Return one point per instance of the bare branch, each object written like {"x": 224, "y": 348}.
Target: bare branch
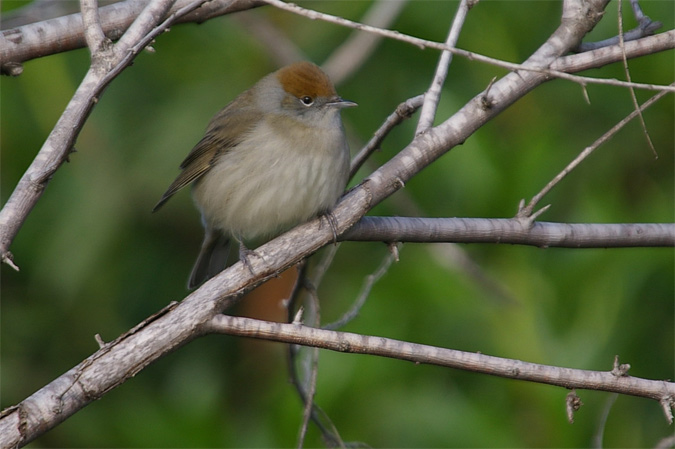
{"x": 59, "y": 143}
{"x": 402, "y": 112}
{"x": 433, "y": 355}
{"x": 66, "y": 33}
{"x": 624, "y": 61}
{"x": 423, "y": 43}
{"x": 645, "y": 28}
{"x": 309, "y": 386}
{"x": 433, "y": 94}
{"x": 328, "y": 430}
{"x": 608, "y": 55}
{"x": 368, "y": 284}
{"x": 512, "y": 231}
{"x": 525, "y": 212}
{"x": 93, "y": 32}
{"x": 151, "y": 15}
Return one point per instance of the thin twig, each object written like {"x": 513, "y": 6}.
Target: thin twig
{"x": 368, "y": 284}
{"x": 312, "y": 376}
{"x": 525, "y": 212}
{"x": 131, "y": 52}
{"x": 328, "y": 430}
{"x": 153, "y": 14}
{"x": 423, "y": 43}
{"x": 646, "y": 27}
{"x": 403, "y": 111}
{"x": 602, "y": 422}
{"x": 433, "y": 94}
{"x": 633, "y": 98}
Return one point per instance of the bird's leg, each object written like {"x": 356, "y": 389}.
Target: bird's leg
{"x": 245, "y": 253}
{"x": 332, "y": 222}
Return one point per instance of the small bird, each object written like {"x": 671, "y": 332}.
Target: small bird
{"x": 274, "y": 157}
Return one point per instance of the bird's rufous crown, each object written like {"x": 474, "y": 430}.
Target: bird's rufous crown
{"x": 305, "y": 78}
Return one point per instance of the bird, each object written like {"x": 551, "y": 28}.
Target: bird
{"x": 274, "y": 157}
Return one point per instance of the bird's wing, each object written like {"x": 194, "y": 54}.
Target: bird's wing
{"x": 225, "y": 131}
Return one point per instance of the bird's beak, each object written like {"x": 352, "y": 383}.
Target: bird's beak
{"x": 340, "y": 103}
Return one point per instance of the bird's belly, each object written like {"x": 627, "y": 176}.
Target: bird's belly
{"x": 247, "y": 199}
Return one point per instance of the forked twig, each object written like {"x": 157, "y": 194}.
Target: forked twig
{"x": 403, "y": 111}
{"x": 525, "y": 212}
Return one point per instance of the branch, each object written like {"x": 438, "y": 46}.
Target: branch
{"x": 512, "y": 231}
{"x": 526, "y": 212}
{"x": 65, "y": 33}
{"x": 404, "y": 111}
{"x": 299, "y": 334}
{"x": 608, "y": 55}
{"x": 433, "y": 94}
{"x": 106, "y": 63}
{"x": 423, "y": 43}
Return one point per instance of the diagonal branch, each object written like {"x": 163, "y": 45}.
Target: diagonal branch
{"x": 526, "y": 211}
{"x": 59, "y": 144}
{"x": 65, "y": 33}
{"x": 433, "y": 94}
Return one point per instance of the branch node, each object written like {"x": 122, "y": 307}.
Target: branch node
{"x": 584, "y": 90}
{"x": 298, "y": 316}
{"x": 538, "y": 213}
{"x": 99, "y": 340}
{"x": 620, "y": 370}
{"x": 8, "y": 258}
{"x": 572, "y": 404}
{"x": 486, "y": 101}
{"x": 393, "y": 249}
{"x": 12, "y": 68}
{"x": 667, "y": 404}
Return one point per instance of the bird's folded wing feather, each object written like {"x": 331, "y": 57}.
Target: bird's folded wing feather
{"x": 225, "y": 131}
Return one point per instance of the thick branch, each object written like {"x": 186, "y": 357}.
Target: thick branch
{"x": 540, "y": 234}
{"x": 496, "y": 366}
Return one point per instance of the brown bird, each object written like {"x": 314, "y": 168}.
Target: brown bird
{"x": 274, "y": 157}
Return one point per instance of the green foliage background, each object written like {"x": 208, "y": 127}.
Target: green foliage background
{"x": 94, "y": 260}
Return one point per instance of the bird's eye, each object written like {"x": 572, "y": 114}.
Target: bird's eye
{"x": 307, "y": 100}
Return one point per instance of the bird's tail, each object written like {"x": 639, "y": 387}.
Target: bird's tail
{"x": 212, "y": 258}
